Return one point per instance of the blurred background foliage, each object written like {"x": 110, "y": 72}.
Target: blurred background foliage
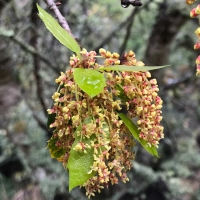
{"x": 160, "y": 32}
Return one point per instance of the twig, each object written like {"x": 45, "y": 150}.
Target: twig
{"x": 113, "y": 33}
{"x": 128, "y": 31}
{"x": 121, "y": 25}
{"x": 129, "y": 27}
{"x": 40, "y": 122}
{"x": 61, "y": 20}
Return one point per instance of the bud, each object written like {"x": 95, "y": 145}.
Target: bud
{"x": 198, "y": 9}
{"x": 102, "y": 51}
{"x": 198, "y": 70}
{"x": 198, "y": 60}
{"x": 197, "y": 46}
{"x": 193, "y": 13}
{"x": 197, "y": 32}
{"x": 139, "y": 63}
{"x": 115, "y": 55}
{"x": 189, "y": 2}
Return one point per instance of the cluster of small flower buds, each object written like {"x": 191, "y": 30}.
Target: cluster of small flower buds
{"x": 110, "y": 139}
{"x": 144, "y": 102}
{"x": 190, "y": 1}
{"x": 195, "y": 12}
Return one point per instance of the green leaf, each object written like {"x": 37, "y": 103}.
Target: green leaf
{"x": 59, "y": 33}
{"x": 55, "y": 151}
{"x": 90, "y": 81}
{"x": 121, "y": 94}
{"x": 79, "y": 164}
{"x": 131, "y": 68}
{"x": 134, "y": 130}
{"x": 152, "y": 150}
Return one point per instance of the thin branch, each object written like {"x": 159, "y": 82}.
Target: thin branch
{"x": 61, "y": 20}
{"x": 128, "y": 32}
{"x": 122, "y": 25}
{"x": 113, "y": 33}
{"x": 40, "y": 122}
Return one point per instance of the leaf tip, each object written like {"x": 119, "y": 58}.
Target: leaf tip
{"x": 70, "y": 188}
{"x": 38, "y": 7}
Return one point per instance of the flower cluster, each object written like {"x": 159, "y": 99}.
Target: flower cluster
{"x": 195, "y": 12}
{"x": 144, "y": 103}
{"x": 96, "y": 121}
{"x": 143, "y": 100}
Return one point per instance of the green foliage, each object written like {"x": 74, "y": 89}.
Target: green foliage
{"x": 79, "y": 163}
{"x": 121, "y": 95}
{"x": 180, "y": 120}
{"x": 59, "y": 33}
{"x": 55, "y": 151}
{"x": 132, "y": 68}
{"x": 90, "y": 81}
{"x": 134, "y": 130}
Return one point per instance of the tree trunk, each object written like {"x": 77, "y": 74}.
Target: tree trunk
{"x": 164, "y": 31}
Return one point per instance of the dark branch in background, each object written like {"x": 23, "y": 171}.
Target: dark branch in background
{"x": 114, "y": 32}
{"x": 128, "y": 32}
{"x": 33, "y": 51}
{"x": 61, "y": 20}
{"x": 127, "y": 3}
{"x": 28, "y": 48}
{"x": 40, "y": 122}
{"x": 126, "y": 22}
{"x": 129, "y": 27}
{"x": 84, "y": 7}
{"x": 36, "y": 63}
{"x": 3, "y": 4}
{"x": 165, "y": 29}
